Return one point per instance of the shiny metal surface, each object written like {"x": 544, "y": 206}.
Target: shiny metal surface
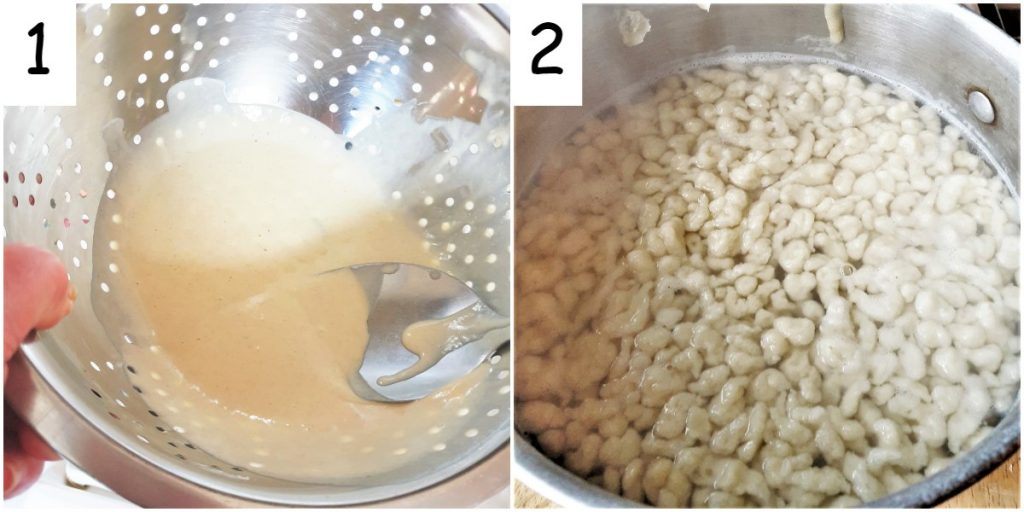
{"x": 401, "y": 295}
{"x": 439, "y": 70}
{"x": 938, "y": 53}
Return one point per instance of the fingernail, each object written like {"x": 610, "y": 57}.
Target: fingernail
{"x": 8, "y": 479}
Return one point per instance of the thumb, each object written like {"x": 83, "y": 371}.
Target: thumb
{"x": 36, "y": 293}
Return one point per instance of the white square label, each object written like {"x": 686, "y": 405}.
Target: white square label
{"x": 38, "y": 58}
{"x": 547, "y": 53}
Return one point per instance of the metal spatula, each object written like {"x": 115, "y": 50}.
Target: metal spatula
{"x": 401, "y": 295}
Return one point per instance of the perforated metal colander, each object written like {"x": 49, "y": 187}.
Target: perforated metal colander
{"x": 355, "y": 68}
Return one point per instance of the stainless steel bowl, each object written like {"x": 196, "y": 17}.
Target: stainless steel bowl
{"x": 346, "y": 65}
{"x": 939, "y": 53}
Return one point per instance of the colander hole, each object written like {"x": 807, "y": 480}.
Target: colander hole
{"x": 357, "y": 39}
{"x": 373, "y": 56}
{"x": 422, "y": 222}
{"x": 140, "y": 102}
{"x": 184, "y": 69}
{"x": 493, "y": 412}
{"x": 83, "y": 244}
{"x": 504, "y": 390}
{"x": 130, "y": 368}
{"x": 172, "y": 444}
{"x": 68, "y": 142}
{"x": 142, "y": 438}
{"x": 467, "y": 229}
{"x": 469, "y": 259}
{"x": 399, "y": 23}
{"x": 503, "y": 374}
{"x": 450, "y": 247}
{"x": 214, "y": 63}
{"x": 300, "y": 78}
{"x": 376, "y": 6}
{"x": 14, "y": 201}
{"x": 140, "y": 10}
{"x": 107, "y": 80}
{"x": 333, "y": 108}
{"x": 430, "y": 39}
{"x": 148, "y": 55}
{"x": 39, "y": 178}
{"x": 496, "y": 358}
{"x": 137, "y": 139}
{"x": 293, "y": 36}
{"x": 153, "y": 413}
{"x": 395, "y": 69}
{"x": 201, "y": 21}
{"x": 161, "y": 429}
{"x": 348, "y": 146}
{"x": 404, "y": 50}
{"x": 109, "y": 166}
{"x": 169, "y": 54}
{"x": 154, "y": 30}
{"x": 97, "y": 30}
{"x": 45, "y": 149}
{"x": 131, "y": 341}
{"x": 293, "y": 57}
{"x": 401, "y": 451}
{"x": 198, "y": 45}
{"x": 176, "y": 28}
{"x": 351, "y": 70}
{"x": 105, "y": 287}
{"x": 94, "y": 365}
{"x": 446, "y": 226}
{"x": 179, "y": 456}
{"x": 453, "y": 161}
{"x": 76, "y": 262}
{"x": 138, "y": 390}
{"x": 162, "y": 9}
{"x": 60, "y": 245}
{"x": 462, "y": 412}
{"x": 491, "y": 258}
{"x": 336, "y": 53}
{"x": 12, "y": 147}
{"x": 474, "y": 149}
{"x": 255, "y": 465}
{"x": 469, "y": 205}
{"x": 113, "y": 268}
{"x": 472, "y": 432}
{"x": 425, "y": 10}
{"x": 143, "y": 78}
{"x": 224, "y": 41}
{"x": 53, "y": 203}
{"x": 229, "y": 17}
{"x": 490, "y": 287}
{"x": 112, "y": 415}
{"x": 333, "y": 82}
{"x": 433, "y": 430}
{"x": 439, "y": 447}
{"x": 313, "y": 96}
{"x": 300, "y": 13}
{"x": 120, "y": 94}
{"x": 416, "y": 87}
{"x": 113, "y": 245}
{"x": 318, "y": 64}
{"x": 98, "y": 58}
{"x": 438, "y": 178}
{"x": 164, "y": 77}
{"x": 357, "y": 14}
{"x": 97, "y": 393}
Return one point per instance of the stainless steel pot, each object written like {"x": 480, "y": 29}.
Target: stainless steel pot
{"x": 939, "y": 53}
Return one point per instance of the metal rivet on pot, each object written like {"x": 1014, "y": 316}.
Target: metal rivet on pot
{"x": 981, "y": 106}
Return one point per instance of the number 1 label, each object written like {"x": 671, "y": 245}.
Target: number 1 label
{"x": 39, "y": 68}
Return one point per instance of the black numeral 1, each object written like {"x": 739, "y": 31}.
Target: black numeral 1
{"x": 535, "y": 66}
{"x": 38, "y": 69}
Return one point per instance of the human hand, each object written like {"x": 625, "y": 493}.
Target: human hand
{"x": 37, "y": 295}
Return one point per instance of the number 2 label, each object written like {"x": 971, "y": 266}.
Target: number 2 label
{"x": 38, "y": 69}
{"x": 535, "y": 66}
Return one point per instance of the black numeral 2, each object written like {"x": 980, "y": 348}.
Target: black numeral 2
{"x": 535, "y": 67}
{"x": 38, "y": 69}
